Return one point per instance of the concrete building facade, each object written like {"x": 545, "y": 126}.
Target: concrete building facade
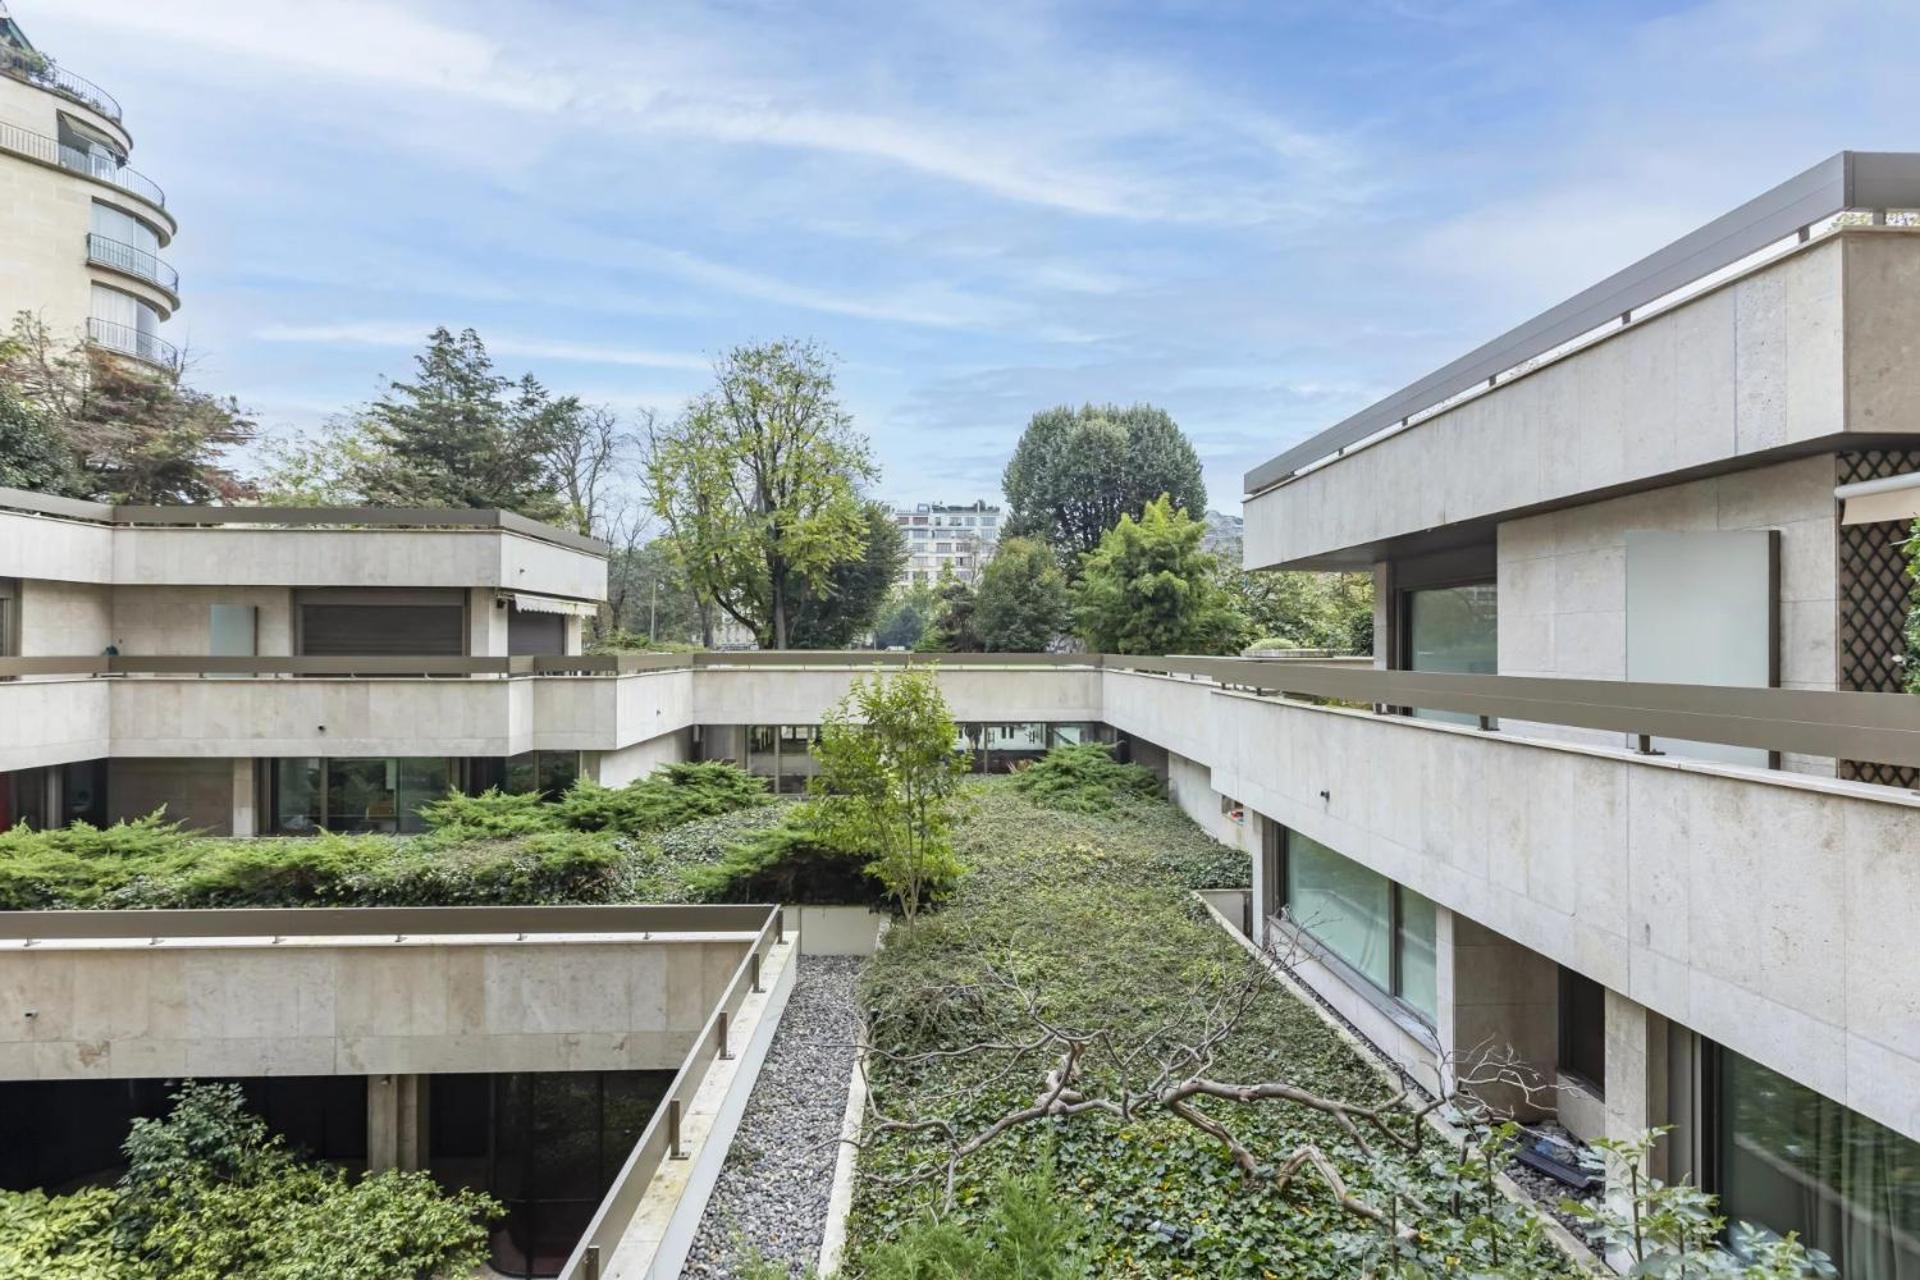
{"x": 82, "y": 233}
{"x": 945, "y": 539}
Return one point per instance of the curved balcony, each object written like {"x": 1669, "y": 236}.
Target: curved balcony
{"x": 126, "y": 340}
{"x": 43, "y": 73}
{"x": 116, "y": 255}
{"x": 101, "y": 168}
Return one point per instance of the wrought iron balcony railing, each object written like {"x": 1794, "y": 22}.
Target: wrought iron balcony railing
{"x": 95, "y": 165}
{"x": 129, "y": 341}
{"x": 36, "y": 70}
{"x": 133, "y": 261}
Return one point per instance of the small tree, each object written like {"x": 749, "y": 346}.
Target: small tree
{"x": 1151, "y": 589}
{"x": 890, "y": 767}
{"x": 1021, "y": 604}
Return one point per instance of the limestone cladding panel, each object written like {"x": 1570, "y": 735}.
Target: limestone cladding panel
{"x": 1780, "y": 356}
{"x": 64, "y": 618}
{"x": 748, "y": 695}
{"x": 1562, "y": 577}
{"x": 53, "y": 721}
{"x": 1762, "y": 913}
{"x": 179, "y": 620}
{"x": 34, "y": 546}
{"x": 358, "y": 1009}
{"x": 617, "y": 768}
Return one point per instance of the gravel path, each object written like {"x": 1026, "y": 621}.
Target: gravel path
{"x": 772, "y": 1193}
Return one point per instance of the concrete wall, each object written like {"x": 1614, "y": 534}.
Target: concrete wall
{"x": 59, "y": 619}
{"x": 618, "y": 768}
{"x": 54, "y": 722}
{"x": 34, "y": 546}
{"x": 750, "y": 695}
{"x": 1763, "y": 911}
{"x": 179, "y": 620}
{"x": 356, "y": 1006}
{"x": 1806, "y": 348}
{"x": 1190, "y": 786}
{"x": 1562, "y": 577}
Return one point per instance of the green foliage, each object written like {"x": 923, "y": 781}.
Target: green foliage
{"x": 1151, "y": 589}
{"x": 652, "y": 604}
{"x": 954, "y": 629}
{"x": 669, "y": 796}
{"x": 1911, "y": 668}
{"x": 491, "y": 815}
{"x": 459, "y": 435}
{"x": 855, "y": 589}
{"x": 1083, "y": 910}
{"x": 130, "y": 433}
{"x": 1076, "y": 472}
{"x": 889, "y": 768}
{"x": 672, "y": 865}
{"x": 62, "y": 1237}
{"x": 1306, "y": 610}
{"x": 905, "y": 617}
{"x": 1083, "y": 777}
{"x": 757, "y": 486}
{"x": 790, "y": 861}
{"x": 637, "y": 642}
{"x": 209, "y": 1193}
{"x": 1671, "y": 1230}
{"x": 1021, "y": 605}
{"x": 1024, "y": 1230}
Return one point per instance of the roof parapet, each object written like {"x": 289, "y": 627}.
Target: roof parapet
{"x": 1847, "y": 181}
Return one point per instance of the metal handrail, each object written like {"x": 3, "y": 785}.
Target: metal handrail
{"x": 47, "y": 74}
{"x": 107, "y": 169}
{"x": 1881, "y": 727}
{"x": 129, "y": 341}
{"x": 660, "y": 1140}
{"x": 133, "y": 261}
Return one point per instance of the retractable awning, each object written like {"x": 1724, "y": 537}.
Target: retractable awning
{"x": 1877, "y": 501}
{"x": 552, "y": 604}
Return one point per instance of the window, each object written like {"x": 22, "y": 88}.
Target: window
{"x": 372, "y": 794}
{"x": 1583, "y": 1030}
{"x": 1452, "y": 629}
{"x": 231, "y": 630}
{"x": 1381, "y": 931}
{"x": 123, "y": 228}
{"x": 1788, "y": 1159}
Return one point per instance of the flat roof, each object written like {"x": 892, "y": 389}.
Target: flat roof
{"x": 1845, "y": 181}
{"x": 299, "y": 517}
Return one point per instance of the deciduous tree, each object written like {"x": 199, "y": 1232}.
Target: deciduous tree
{"x": 1021, "y": 605}
{"x": 1077, "y": 471}
{"x": 890, "y": 768}
{"x": 856, "y": 589}
{"x": 756, "y": 483}
{"x": 954, "y": 629}
{"x": 1151, "y": 589}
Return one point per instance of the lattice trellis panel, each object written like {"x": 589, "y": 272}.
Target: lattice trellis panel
{"x": 1874, "y": 594}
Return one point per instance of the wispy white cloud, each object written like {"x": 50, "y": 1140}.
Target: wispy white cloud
{"x": 386, "y": 334}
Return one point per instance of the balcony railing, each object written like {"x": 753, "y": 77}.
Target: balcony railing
{"x": 129, "y": 341}
{"x": 133, "y": 261}
{"x": 39, "y": 71}
{"x": 1882, "y": 727}
{"x": 101, "y": 168}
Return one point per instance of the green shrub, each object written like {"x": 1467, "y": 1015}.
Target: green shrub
{"x": 789, "y": 861}
{"x": 1085, "y": 778}
{"x": 62, "y": 1237}
{"x": 490, "y": 815}
{"x": 76, "y": 865}
{"x": 667, "y": 797}
{"x": 1025, "y": 1231}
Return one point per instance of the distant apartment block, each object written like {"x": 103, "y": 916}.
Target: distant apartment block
{"x": 81, "y": 232}
{"x": 945, "y": 539}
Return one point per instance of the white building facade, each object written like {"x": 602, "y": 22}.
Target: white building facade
{"x": 946, "y": 540}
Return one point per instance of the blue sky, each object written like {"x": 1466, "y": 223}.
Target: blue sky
{"x": 1261, "y": 216}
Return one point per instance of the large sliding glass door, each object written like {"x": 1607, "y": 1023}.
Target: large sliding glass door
{"x": 1451, "y": 629}
{"x": 1789, "y": 1159}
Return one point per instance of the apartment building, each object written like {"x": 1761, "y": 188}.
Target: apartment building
{"x": 81, "y": 231}
{"x": 944, "y": 539}
{"x": 1628, "y": 790}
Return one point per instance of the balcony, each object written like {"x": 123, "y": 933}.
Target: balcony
{"x": 51, "y": 151}
{"x": 124, "y": 339}
{"x": 41, "y": 72}
{"x": 116, "y": 255}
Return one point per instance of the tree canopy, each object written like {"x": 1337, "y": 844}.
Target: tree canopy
{"x": 1021, "y": 603}
{"x": 1075, "y": 472}
{"x": 757, "y": 484}
{"x": 954, "y": 629}
{"x": 1150, "y": 588}
{"x": 79, "y": 421}
{"x": 856, "y": 589}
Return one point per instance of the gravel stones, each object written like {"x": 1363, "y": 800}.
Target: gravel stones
{"x": 772, "y": 1193}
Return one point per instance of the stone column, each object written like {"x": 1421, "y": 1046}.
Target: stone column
{"x": 246, "y": 821}
{"x": 396, "y": 1122}
{"x": 1637, "y": 1074}
{"x": 1498, "y": 995}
